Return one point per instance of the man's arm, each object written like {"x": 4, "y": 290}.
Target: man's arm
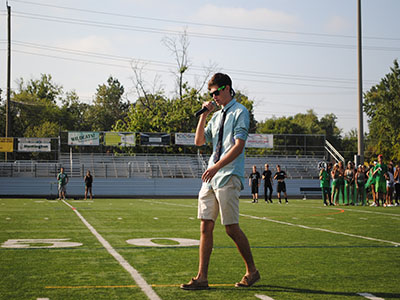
{"x": 232, "y": 154}
{"x": 200, "y": 138}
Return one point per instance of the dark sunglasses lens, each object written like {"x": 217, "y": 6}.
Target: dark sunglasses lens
{"x": 216, "y": 93}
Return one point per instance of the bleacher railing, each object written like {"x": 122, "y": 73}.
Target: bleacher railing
{"x": 151, "y": 166}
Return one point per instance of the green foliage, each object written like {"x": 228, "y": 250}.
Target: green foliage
{"x": 382, "y": 106}
{"x": 45, "y": 129}
{"x": 108, "y": 106}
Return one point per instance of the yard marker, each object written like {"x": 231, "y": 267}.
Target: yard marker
{"x": 321, "y": 229}
{"x": 263, "y": 297}
{"x": 370, "y": 296}
{"x": 42, "y": 299}
{"x": 144, "y": 286}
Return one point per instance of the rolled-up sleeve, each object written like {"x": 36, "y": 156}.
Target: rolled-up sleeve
{"x": 242, "y": 124}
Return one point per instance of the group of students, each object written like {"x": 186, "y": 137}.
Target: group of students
{"x": 254, "y": 183}
{"x": 355, "y": 186}
{"x": 62, "y": 180}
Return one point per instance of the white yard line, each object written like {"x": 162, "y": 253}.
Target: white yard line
{"x": 370, "y": 296}
{"x": 321, "y": 229}
{"x": 144, "y": 286}
{"x": 297, "y": 225}
{"x": 263, "y": 297}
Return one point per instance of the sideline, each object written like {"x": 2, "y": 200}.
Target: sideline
{"x": 144, "y": 286}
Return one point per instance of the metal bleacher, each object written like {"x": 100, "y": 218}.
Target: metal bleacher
{"x": 152, "y": 166}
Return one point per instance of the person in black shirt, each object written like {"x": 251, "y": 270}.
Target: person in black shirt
{"x": 88, "y": 185}
{"x": 254, "y": 180}
{"x": 280, "y": 175}
{"x": 267, "y": 177}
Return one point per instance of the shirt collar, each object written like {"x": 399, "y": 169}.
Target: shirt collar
{"x": 229, "y": 105}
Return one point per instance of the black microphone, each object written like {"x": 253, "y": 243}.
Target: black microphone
{"x": 204, "y": 109}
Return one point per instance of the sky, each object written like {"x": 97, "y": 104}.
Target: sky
{"x": 288, "y": 56}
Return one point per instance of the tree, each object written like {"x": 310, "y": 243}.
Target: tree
{"x": 382, "y": 106}
{"x": 108, "y": 106}
{"x": 33, "y": 103}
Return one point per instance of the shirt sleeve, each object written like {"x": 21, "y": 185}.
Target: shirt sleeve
{"x": 208, "y": 132}
{"x": 242, "y": 124}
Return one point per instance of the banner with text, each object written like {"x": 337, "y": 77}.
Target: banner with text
{"x": 255, "y": 140}
{"x": 6, "y": 144}
{"x": 34, "y": 145}
{"x": 155, "y": 139}
{"x": 83, "y": 138}
{"x": 123, "y": 139}
{"x": 185, "y": 138}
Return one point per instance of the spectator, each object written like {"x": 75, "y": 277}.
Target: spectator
{"x": 360, "y": 183}
{"x": 380, "y": 182}
{"x": 62, "y": 179}
{"x": 267, "y": 177}
{"x": 396, "y": 178}
{"x": 88, "y": 185}
{"x": 389, "y": 185}
{"x": 349, "y": 176}
{"x": 324, "y": 184}
{"x": 280, "y": 175}
{"x": 254, "y": 182}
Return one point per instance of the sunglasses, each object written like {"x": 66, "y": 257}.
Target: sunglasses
{"x": 216, "y": 92}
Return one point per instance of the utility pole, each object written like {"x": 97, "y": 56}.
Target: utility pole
{"x": 8, "y": 109}
{"x": 360, "y": 87}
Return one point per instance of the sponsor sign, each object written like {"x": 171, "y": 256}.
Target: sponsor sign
{"x": 34, "y": 145}
{"x": 255, "y": 140}
{"x": 6, "y": 144}
{"x": 124, "y": 139}
{"x": 185, "y": 138}
{"x": 155, "y": 139}
{"x": 83, "y": 138}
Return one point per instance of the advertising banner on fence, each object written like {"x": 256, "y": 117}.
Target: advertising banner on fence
{"x": 83, "y": 138}
{"x": 255, "y": 140}
{"x": 6, "y": 144}
{"x": 123, "y": 139}
{"x": 155, "y": 139}
{"x": 34, "y": 145}
{"x": 185, "y": 138}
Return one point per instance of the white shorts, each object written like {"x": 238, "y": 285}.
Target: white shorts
{"x": 224, "y": 200}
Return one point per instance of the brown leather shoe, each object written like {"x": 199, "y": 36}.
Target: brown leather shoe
{"x": 249, "y": 280}
{"x": 194, "y": 284}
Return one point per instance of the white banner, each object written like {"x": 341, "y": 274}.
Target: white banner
{"x": 124, "y": 139}
{"x": 84, "y": 138}
{"x": 256, "y": 140}
{"x": 185, "y": 138}
{"x": 34, "y": 147}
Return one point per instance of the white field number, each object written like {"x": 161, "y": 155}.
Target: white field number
{"x": 40, "y": 243}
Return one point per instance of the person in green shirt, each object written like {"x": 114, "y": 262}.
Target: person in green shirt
{"x": 62, "y": 179}
{"x": 324, "y": 179}
{"x": 380, "y": 181}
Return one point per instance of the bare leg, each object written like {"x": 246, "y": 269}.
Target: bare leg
{"x": 206, "y": 245}
{"x": 240, "y": 239}
{"x": 86, "y": 192}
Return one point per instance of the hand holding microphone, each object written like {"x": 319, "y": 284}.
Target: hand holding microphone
{"x": 207, "y": 106}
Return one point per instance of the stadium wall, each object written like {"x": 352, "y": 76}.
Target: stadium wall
{"x": 128, "y": 187}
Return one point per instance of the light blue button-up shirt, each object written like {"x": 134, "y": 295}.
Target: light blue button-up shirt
{"x": 236, "y": 126}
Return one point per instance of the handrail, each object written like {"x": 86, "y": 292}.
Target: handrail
{"x": 332, "y": 151}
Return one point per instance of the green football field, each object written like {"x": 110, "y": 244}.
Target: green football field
{"x": 90, "y": 250}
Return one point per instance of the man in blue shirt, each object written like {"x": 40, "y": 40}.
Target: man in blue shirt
{"x": 224, "y": 178}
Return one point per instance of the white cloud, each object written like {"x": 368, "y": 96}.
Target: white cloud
{"x": 89, "y": 43}
{"x": 236, "y": 16}
{"x": 337, "y": 24}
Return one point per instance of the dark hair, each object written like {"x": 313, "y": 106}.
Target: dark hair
{"x": 221, "y": 79}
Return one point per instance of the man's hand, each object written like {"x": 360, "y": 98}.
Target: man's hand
{"x": 209, "y": 174}
{"x": 210, "y": 107}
